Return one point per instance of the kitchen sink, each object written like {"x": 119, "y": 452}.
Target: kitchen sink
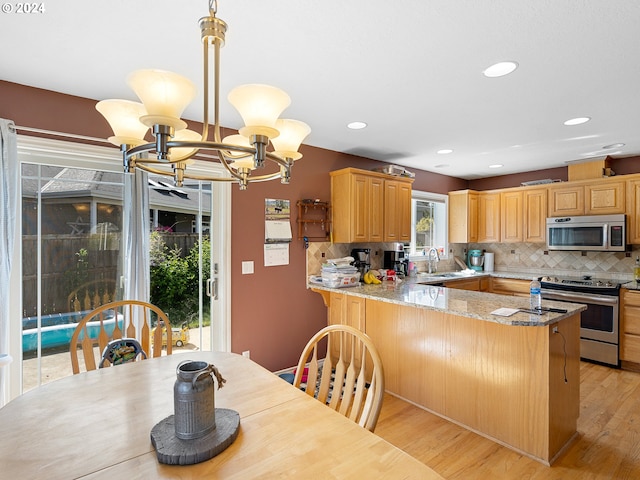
{"x": 444, "y": 275}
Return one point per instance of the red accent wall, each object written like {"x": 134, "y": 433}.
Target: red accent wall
{"x": 273, "y": 314}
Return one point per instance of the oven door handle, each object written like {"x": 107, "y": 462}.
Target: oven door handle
{"x": 579, "y": 298}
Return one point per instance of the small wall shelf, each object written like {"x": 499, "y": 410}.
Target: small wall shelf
{"x": 314, "y": 219}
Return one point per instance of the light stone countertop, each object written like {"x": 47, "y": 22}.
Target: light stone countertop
{"x": 479, "y": 305}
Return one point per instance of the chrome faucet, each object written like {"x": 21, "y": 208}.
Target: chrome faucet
{"x": 432, "y": 259}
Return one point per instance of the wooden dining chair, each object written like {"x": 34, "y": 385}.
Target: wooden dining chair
{"x": 117, "y": 320}
{"x": 350, "y": 379}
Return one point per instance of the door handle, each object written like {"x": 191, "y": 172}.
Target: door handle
{"x": 212, "y": 288}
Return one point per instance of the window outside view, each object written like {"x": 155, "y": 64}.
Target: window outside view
{"x": 429, "y": 228}
{"x": 72, "y": 259}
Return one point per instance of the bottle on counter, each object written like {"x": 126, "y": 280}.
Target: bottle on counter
{"x": 535, "y": 294}
{"x": 636, "y": 271}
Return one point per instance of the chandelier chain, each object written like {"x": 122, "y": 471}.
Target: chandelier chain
{"x": 213, "y": 7}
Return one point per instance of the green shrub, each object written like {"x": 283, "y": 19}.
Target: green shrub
{"x": 174, "y": 280}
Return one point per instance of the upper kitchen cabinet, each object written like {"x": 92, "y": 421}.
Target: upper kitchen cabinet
{"x": 602, "y": 197}
{"x": 489, "y": 217}
{"x": 633, "y": 209}
{"x": 512, "y": 216}
{"x": 370, "y": 206}
{"x": 397, "y": 211}
{"x": 535, "y": 215}
{"x": 463, "y": 216}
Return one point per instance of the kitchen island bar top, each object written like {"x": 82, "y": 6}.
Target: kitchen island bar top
{"x": 478, "y": 305}
{"x": 514, "y": 379}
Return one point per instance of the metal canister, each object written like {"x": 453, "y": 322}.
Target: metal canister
{"x": 193, "y": 399}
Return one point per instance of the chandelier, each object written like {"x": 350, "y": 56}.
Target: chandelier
{"x": 165, "y": 95}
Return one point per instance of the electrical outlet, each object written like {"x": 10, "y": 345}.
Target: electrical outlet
{"x": 246, "y": 353}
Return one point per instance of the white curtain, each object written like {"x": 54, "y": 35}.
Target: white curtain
{"x": 8, "y": 208}
{"x": 136, "y": 238}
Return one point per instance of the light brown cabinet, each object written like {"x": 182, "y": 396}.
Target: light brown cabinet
{"x": 566, "y": 200}
{"x": 480, "y": 284}
{"x": 370, "y": 207}
{"x": 630, "y": 328}
{"x": 535, "y": 215}
{"x": 488, "y": 217}
{"x": 511, "y": 216}
{"x": 509, "y": 286}
{"x": 633, "y": 209}
{"x": 598, "y": 197}
{"x": 347, "y": 310}
{"x": 397, "y": 211}
{"x": 463, "y": 216}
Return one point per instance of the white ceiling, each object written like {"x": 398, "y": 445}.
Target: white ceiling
{"x": 411, "y": 69}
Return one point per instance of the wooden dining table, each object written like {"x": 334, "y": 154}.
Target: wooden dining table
{"x": 97, "y": 425}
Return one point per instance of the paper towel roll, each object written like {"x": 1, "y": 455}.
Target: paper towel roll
{"x": 488, "y": 262}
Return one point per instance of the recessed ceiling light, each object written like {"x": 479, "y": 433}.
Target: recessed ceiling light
{"x": 614, "y": 145}
{"x": 577, "y": 121}
{"x": 444, "y": 151}
{"x": 500, "y": 69}
{"x": 441, "y": 165}
{"x": 496, "y": 165}
{"x": 356, "y": 125}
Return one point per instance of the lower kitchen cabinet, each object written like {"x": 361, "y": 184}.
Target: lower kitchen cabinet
{"x": 475, "y": 284}
{"x": 630, "y": 330}
{"x": 510, "y": 286}
{"x": 347, "y": 310}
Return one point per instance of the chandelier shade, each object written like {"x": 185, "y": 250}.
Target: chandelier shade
{"x": 165, "y": 95}
{"x": 292, "y": 133}
{"x": 123, "y": 117}
{"x": 179, "y": 153}
{"x": 259, "y": 106}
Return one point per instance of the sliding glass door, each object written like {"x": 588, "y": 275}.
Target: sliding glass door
{"x": 73, "y": 242}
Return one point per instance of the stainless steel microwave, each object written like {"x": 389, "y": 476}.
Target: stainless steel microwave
{"x": 589, "y": 232}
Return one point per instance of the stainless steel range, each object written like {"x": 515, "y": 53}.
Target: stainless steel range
{"x": 599, "y": 337}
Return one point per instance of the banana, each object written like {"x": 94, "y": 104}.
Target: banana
{"x": 369, "y": 278}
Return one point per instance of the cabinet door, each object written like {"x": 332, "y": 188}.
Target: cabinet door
{"x": 404, "y": 212}
{"x": 489, "y": 217}
{"x": 535, "y": 215}
{"x": 391, "y": 205}
{"x": 347, "y": 310}
{"x": 375, "y": 209}
{"x": 466, "y": 284}
{"x": 633, "y": 211}
{"x": 630, "y": 327}
{"x": 566, "y": 200}
{"x": 511, "y": 216}
{"x": 463, "y": 216}
{"x": 397, "y": 211}
{"x": 509, "y": 286}
{"x": 359, "y": 210}
{"x": 604, "y": 198}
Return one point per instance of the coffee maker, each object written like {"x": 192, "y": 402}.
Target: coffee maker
{"x": 394, "y": 260}
{"x": 362, "y": 260}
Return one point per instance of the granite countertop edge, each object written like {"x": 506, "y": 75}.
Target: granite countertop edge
{"x": 465, "y": 303}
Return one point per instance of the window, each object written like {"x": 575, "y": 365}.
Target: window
{"x": 428, "y": 223}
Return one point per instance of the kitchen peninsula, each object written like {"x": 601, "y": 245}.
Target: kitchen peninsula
{"x": 513, "y": 379}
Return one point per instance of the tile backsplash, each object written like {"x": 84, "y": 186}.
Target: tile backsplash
{"x": 531, "y": 257}
{"x": 508, "y": 257}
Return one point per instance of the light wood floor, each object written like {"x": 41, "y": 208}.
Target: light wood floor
{"x": 607, "y": 447}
